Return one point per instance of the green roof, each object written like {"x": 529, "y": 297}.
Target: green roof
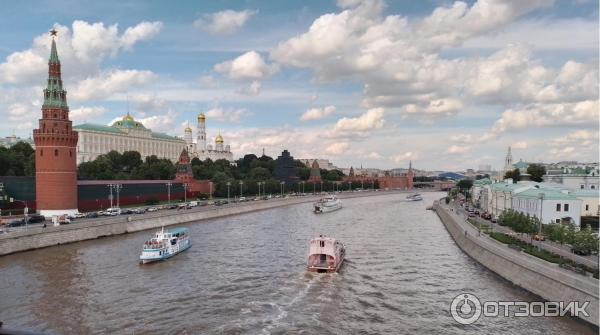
{"x": 505, "y": 186}
{"x": 97, "y": 127}
{"x": 484, "y": 181}
{"x": 549, "y": 194}
{"x": 130, "y": 124}
{"x": 521, "y": 165}
{"x": 164, "y": 136}
{"x": 586, "y": 193}
{"x": 53, "y": 53}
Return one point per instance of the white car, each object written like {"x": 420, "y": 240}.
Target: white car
{"x": 152, "y": 209}
{"x": 79, "y": 215}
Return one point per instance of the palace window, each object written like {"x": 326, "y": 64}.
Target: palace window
{"x": 558, "y": 207}
{"x": 582, "y": 186}
{"x": 587, "y": 207}
{"x": 566, "y": 207}
{"x": 55, "y": 152}
{"x": 593, "y": 187}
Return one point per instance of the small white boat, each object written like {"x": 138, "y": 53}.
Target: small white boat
{"x": 325, "y": 254}
{"x": 327, "y": 204}
{"x": 414, "y": 197}
{"x": 165, "y": 244}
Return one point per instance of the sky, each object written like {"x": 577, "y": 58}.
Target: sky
{"x": 446, "y": 85}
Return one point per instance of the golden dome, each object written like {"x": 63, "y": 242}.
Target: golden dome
{"x": 188, "y": 129}
{"x": 219, "y": 139}
{"x": 201, "y": 117}
{"x": 127, "y": 117}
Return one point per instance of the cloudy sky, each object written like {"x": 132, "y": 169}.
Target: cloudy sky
{"x": 448, "y": 85}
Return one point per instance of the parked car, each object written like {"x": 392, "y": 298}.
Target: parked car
{"x": 494, "y": 220}
{"x": 173, "y": 206}
{"x": 151, "y": 209}
{"x": 79, "y": 215}
{"x": 16, "y": 223}
{"x": 471, "y": 214}
{"x": 36, "y": 218}
{"x": 91, "y": 215}
{"x": 113, "y": 211}
{"x": 126, "y": 212}
{"x": 581, "y": 252}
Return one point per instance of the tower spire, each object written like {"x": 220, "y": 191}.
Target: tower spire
{"x": 53, "y": 52}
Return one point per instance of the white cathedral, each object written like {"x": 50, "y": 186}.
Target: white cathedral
{"x": 200, "y": 149}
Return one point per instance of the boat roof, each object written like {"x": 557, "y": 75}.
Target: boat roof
{"x": 323, "y": 238}
{"x": 177, "y": 230}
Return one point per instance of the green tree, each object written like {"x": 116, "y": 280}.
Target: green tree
{"x": 515, "y": 175}
{"x": 260, "y": 173}
{"x": 537, "y": 171}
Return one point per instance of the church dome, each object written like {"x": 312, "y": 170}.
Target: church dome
{"x": 127, "y": 117}
{"x": 201, "y": 117}
{"x": 219, "y": 139}
{"x": 128, "y": 122}
{"x": 188, "y": 129}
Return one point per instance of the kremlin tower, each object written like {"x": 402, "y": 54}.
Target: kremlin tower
{"x": 55, "y": 147}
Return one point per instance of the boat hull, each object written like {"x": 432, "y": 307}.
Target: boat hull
{"x": 324, "y": 269}
{"x": 319, "y": 209}
{"x": 150, "y": 256}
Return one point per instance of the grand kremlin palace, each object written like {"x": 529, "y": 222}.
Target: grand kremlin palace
{"x": 125, "y": 135}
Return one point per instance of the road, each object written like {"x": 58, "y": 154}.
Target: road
{"x": 590, "y": 261}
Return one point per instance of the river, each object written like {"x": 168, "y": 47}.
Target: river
{"x": 246, "y": 274}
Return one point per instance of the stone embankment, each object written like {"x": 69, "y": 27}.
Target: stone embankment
{"x": 535, "y": 275}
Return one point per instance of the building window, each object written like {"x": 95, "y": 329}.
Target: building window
{"x": 42, "y": 152}
{"x": 587, "y": 207}
{"x": 558, "y": 207}
{"x": 557, "y": 221}
{"x": 593, "y": 187}
{"x": 566, "y": 207}
{"x": 70, "y": 153}
{"x": 55, "y": 152}
{"x": 582, "y": 187}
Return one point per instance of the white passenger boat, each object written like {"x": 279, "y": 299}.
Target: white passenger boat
{"x": 414, "y": 197}
{"x": 325, "y": 254}
{"x": 165, "y": 244}
{"x": 327, "y": 204}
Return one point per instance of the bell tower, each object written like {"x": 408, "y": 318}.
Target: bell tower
{"x": 55, "y": 147}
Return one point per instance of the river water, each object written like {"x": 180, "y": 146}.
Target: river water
{"x": 246, "y": 274}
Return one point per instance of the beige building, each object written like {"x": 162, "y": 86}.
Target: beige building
{"x": 125, "y": 135}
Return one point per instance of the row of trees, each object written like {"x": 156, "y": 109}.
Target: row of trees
{"x": 536, "y": 171}
{"x": 18, "y": 160}
{"x": 519, "y": 222}
{"x": 128, "y": 165}
{"x": 582, "y": 239}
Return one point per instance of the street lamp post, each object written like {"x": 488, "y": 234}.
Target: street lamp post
{"x": 321, "y": 186}
{"x": 228, "y": 186}
{"x": 110, "y": 196}
{"x": 118, "y": 188}
{"x": 282, "y": 188}
{"x": 169, "y": 192}
{"x": 185, "y": 186}
{"x": 241, "y": 189}
{"x": 541, "y": 196}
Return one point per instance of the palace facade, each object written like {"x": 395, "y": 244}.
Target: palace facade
{"x": 123, "y": 135}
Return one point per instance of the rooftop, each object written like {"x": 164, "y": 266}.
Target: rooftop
{"x": 549, "y": 194}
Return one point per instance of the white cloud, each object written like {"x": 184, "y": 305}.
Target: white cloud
{"x": 520, "y": 145}
{"x": 404, "y": 157}
{"x": 141, "y": 32}
{"x": 249, "y": 66}
{"x": 148, "y": 104}
{"x": 86, "y": 114}
{"x": 579, "y": 138}
{"x": 584, "y": 113}
{"x": 372, "y": 119}
{"x": 106, "y": 83}
{"x": 224, "y": 22}
{"x": 455, "y": 149}
{"x": 337, "y": 148}
{"x": 227, "y": 115}
{"x": 160, "y": 123}
{"x": 317, "y": 113}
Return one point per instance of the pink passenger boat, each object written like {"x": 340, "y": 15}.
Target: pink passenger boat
{"x": 325, "y": 254}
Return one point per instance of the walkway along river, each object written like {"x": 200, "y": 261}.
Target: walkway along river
{"x": 247, "y": 274}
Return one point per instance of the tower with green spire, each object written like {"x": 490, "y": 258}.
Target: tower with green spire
{"x": 55, "y": 147}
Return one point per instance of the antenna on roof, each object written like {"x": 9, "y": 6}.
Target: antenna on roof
{"x": 127, "y": 104}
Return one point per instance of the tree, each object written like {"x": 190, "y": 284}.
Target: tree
{"x": 537, "y": 171}
{"x": 259, "y": 173}
{"x": 515, "y": 175}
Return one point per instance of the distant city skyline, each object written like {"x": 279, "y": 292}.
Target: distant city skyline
{"x": 376, "y": 83}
